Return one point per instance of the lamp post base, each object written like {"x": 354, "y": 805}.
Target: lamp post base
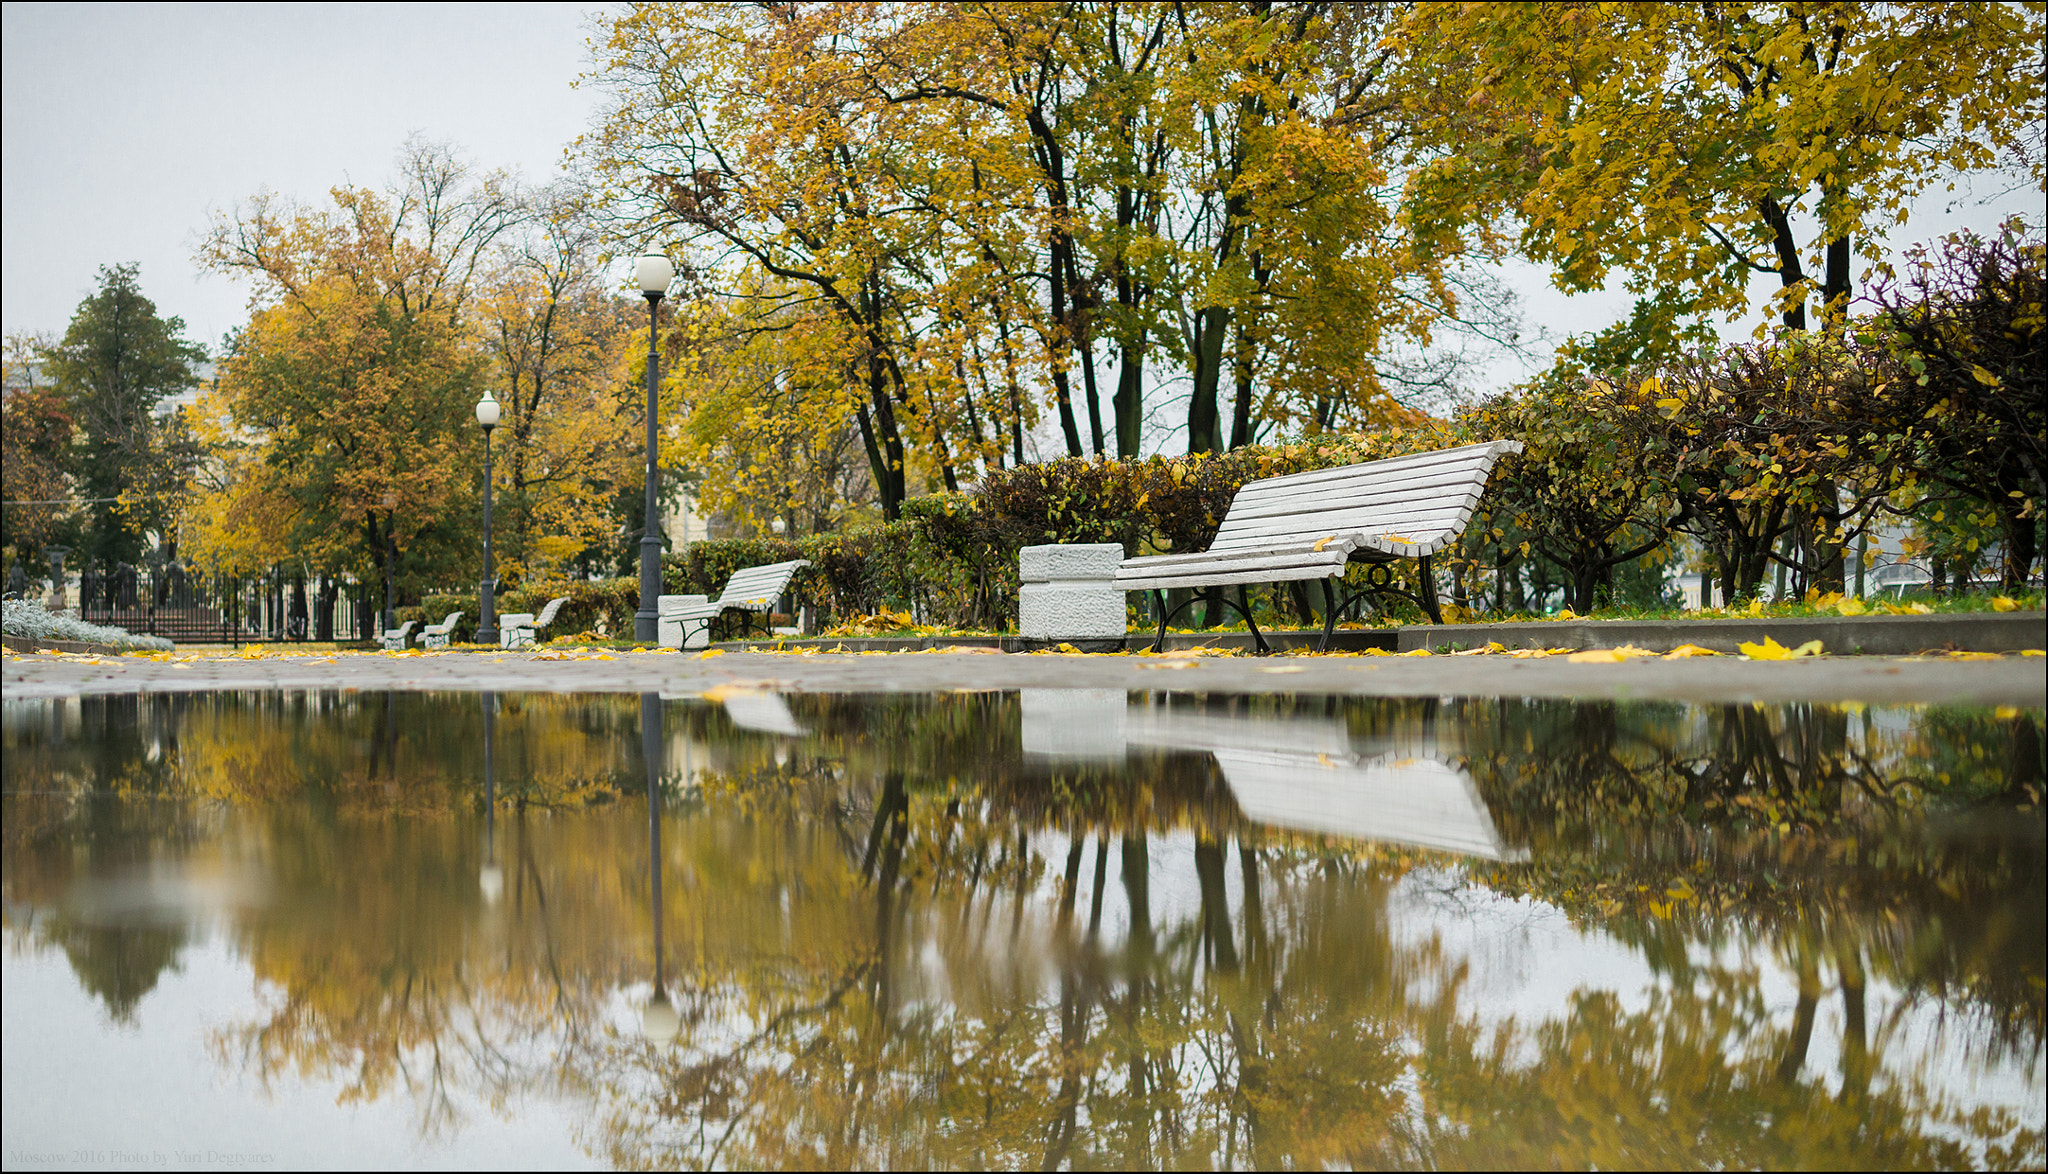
{"x": 487, "y": 618}
{"x": 647, "y": 620}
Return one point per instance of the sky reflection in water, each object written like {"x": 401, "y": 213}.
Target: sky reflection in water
{"x": 1065, "y": 927}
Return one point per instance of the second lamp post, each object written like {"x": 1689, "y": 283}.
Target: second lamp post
{"x": 487, "y": 604}
{"x": 654, "y": 272}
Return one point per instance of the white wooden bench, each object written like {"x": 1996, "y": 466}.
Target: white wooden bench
{"x": 519, "y": 629}
{"x": 436, "y": 635}
{"x": 396, "y": 638}
{"x": 1313, "y": 525}
{"x": 754, "y": 589}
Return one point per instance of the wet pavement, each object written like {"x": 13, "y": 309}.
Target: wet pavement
{"x": 1957, "y": 678}
{"x": 1049, "y": 928}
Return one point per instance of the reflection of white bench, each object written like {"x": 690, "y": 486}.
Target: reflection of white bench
{"x": 436, "y": 635}
{"x": 396, "y": 638}
{"x": 764, "y": 713}
{"x": 518, "y": 629}
{"x": 1300, "y": 773}
{"x": 1313, "y": 525}
{"x": 754, "y": 589}
{"x": 1396, "y": 798}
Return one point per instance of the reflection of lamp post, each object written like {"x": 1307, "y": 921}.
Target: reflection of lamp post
{"x": 56, "y": 554}
{"x": 487, "y": 612}
{"x": 658, "y": 1020}
{"x": 491, "y": 879}
{"x": 655, "y": 272}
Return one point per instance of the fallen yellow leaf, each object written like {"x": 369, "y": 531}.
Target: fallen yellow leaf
{"x": 1772, "y": 650}
{"x": 1756, "y": 606}
{"x": 1974, "y": 656}
{"x": 1609, "y": 655}
{"x": 1685, "y": 650}
{"x": 2004, "y": 603}
{"x": 2034, "y": 652}
{"x": 708, "y": 653}
{"x": 1322, "y": 542}
{"x": 1851, "y": 606}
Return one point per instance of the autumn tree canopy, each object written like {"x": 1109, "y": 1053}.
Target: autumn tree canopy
{"x": 980, "y": 216}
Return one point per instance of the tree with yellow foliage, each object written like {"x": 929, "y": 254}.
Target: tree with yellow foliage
{"x": 343, "y": 412}
{"x": 1691, "y": 147}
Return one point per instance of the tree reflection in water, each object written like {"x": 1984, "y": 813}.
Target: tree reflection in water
{"x": 850, "y": 930}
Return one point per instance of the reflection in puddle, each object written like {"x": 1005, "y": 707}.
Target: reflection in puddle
{"x": 1067, "y": 928}
{"x": 1298, "y": 773}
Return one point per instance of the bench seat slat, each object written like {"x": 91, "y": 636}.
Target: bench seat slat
{"x": 1365, "y": 521}
{"x": 1214, "y": 577}
{"x": 1317, "y": 498}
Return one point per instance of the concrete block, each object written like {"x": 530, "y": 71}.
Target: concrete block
{"x": 675, "y": 632}
{"x": 1074, "y": 723}
{"x": 1051, "y": 564}
{"x": 1069, "y": 611}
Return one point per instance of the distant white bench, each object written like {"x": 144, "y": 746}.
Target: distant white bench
{"x": 436, "y": 635}
{"x": 1313, "y": 525}
{"x": 754, "y": 589}
{"x": 519, "y": 629}
{"x": 396, "y": 638}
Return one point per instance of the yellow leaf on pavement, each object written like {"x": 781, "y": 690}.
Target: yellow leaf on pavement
{"x": 1772, "y": 650}
{"x": 1685, "y": 650}
{"x": 1626, "y": 652}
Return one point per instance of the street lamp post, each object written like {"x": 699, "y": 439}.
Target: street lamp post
{"x": 487, "y": 610}
{"x": 654, "y": 272}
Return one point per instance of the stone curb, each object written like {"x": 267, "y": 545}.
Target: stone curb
{"x": 32, "y": 644}
{"x": 1350, "y": 641}
{"x": 1839, "y": 636}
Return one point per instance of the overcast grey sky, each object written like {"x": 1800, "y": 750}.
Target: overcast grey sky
{"x": 125, "y": 125}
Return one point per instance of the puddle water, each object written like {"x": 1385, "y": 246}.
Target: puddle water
{"x": 1057, "y": 928}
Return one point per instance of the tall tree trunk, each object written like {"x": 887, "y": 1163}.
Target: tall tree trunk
{"x": 1241, "y": 410}
{"x": 1790, "y": 272}
{"x": 1205, "y": 432}
{"x": 1129, "y": 392}
{"x": 1094, "y": 402}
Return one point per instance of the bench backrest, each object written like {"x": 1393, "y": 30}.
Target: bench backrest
{"x": 757, "y": 588}
{"x": 446, "y": 624}
{"x": 547, "y": 614}
{"x": 1425, "y": 499}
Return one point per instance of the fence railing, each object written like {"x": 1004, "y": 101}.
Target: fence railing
{"x": 194, "y": 607}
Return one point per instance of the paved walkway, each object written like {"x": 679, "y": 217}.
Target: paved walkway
{"x": 1969, "y": 678}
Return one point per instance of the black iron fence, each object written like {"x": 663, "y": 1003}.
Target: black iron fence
{"x": 190, "y": 606}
